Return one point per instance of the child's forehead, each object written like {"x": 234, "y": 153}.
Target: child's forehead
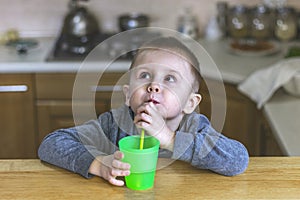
{"x": 153, "y": 51}
{"x": 156, "y": 55}
{"x": 162, "y": 61}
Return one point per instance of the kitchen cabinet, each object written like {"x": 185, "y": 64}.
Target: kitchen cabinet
{"x": 54, "y": 106}
{"x": 242, "y": 117}
{"x": 269, "y": 146}
{"x": 43, "y": 102}
{"x": 17, "y": 119}
{"x": 54, "y": 99}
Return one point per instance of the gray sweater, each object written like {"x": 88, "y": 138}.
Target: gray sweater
{"x": 196, "y": 142}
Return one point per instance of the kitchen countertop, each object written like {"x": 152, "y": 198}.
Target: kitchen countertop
{"x": 265, "y": 178}
{"x": 233, "y": 68}
{"x": 283, "y": 114}
{"x": 281, "y": 111}
{"x": 34, "y": 61}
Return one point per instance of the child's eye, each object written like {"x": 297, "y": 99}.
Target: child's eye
{"x": 170, "y": 78}
{"x": 144, "y": 75}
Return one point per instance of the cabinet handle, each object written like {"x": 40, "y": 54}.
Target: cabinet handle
{"x": 13, "y": 88}
{"x": 107, "y": 88}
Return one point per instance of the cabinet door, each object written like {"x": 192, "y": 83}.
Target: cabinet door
{"x": 241, "y": 119}
{"x": 54, "y": 100}
{"x": 268, "y": 143}
{"x": 56, "y": 114}
{"x": 17, "y": 130}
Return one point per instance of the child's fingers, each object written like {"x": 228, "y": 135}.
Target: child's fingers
{"x": 119, "y": 172}
{"x": 115, "y": 181}
{"x": 142, "y": 108}
{"x": 118, "y": 155}
{"x": 117, "y": 164}
{"x": 115, "y": 173}
{"x": 143, "y": 117}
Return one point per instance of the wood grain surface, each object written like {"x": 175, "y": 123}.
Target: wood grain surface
{"x": 265, "y": 178}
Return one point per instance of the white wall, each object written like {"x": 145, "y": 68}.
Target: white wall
{"x": 44, "y": 18}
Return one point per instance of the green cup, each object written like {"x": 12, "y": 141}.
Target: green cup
{"x": 142, "y": 161}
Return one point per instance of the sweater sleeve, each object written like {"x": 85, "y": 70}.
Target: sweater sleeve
{"x": 205, "y": 148}
{"x": 63, "y": 149}
{"x": 75, "y": 148}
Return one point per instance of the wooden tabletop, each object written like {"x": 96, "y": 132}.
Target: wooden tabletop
{"x": 265, "y": 178}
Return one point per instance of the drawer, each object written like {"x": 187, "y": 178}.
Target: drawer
{"x": 60, "y": 85}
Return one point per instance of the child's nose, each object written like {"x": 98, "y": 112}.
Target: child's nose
{"x": 153, "y": 87}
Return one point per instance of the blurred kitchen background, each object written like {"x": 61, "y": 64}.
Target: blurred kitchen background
{"x": 252, "y": 43}
{"x": 45, "y": 18}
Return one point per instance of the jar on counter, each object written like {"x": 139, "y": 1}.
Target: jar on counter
{"x": 286, "y": 24}
{"x": 261, "y": 23}
{"x": 238, "y": 18}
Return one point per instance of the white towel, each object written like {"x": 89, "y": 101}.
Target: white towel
{"x": 261, "y": 85}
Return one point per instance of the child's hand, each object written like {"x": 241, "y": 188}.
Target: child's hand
{"x": 109, "y": 167}
{"x": 150, "y": 119}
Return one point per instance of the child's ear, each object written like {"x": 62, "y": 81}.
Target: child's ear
{"x": 126, "y": 93}
{"x": 192, "y": 103}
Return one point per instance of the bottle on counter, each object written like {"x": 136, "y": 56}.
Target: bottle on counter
{"x": 286, "y": 24}
{"x": 222, "y": 12}
{"x": 187, "y": 23}
{"x": 213, "y": 31}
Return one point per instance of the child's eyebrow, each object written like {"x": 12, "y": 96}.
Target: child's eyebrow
{"x": 176, "y": 72}
{"x": 146, "y": 67}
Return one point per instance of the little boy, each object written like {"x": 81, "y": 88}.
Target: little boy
{"x": 161, "y": 97}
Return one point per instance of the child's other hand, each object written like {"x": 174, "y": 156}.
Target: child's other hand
{"x": 110, "y": 167}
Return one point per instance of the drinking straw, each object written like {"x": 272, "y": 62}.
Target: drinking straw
{"x": 142, "y": 139}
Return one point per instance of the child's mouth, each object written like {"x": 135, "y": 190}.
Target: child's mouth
{"x": 153, "y": 101}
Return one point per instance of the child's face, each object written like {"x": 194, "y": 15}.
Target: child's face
{"x": 164, "y": 79}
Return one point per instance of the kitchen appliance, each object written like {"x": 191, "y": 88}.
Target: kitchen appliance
{"x": 121, "y": 47}
{"x": 133, "y": 20}
{"x": 79, "y": 35}
{"x": 76, "y": 41}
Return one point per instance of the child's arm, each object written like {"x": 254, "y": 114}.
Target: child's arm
{"x": 199, "y": 144}
{"x": 76, "y": 148}
{"x": 64, "y": 149}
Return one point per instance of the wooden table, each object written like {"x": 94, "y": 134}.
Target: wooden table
{"x": 265, "y": 178}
